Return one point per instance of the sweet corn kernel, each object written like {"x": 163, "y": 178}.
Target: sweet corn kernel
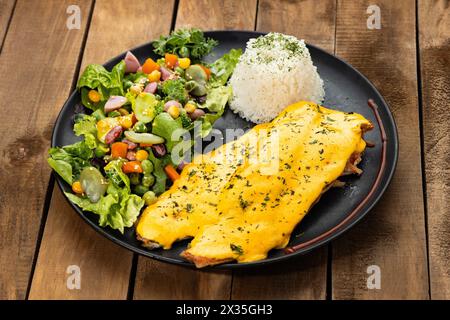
{"x": 174, "y": 111}
{"x": 154, "y": 76}
{"x": 76, "y": 187}
{"x": 184, "y": 63}
{"x": 136, "y": 89}
{"x": 189, "y": 107}
{"x": 94, "y": 96}
{"x": 126, "y": 122}
{"x": 141, "y": 155}
{"x": 123, "y": 111}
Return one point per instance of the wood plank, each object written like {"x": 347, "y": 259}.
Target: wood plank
{"x": 311, "y": 20}
{"x": 180, "y": 282}
{"x": 434, "y": 34}
{"x": 304, "y": 277}
{"x": 393, "y": 235}
{"x": 6, "y": 10}
{"x": 40, "y": 51}
{"x": 217, "y": 15}
{"x": 68, "y": 240}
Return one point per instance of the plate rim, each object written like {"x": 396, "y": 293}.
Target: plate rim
{"x": 379, "y": 192}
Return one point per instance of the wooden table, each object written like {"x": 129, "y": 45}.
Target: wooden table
{"x": 407, "y": 235}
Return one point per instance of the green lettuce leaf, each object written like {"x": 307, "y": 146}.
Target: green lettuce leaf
{"x": 216, "y": 101}
{"x": 130, "y": 209}
{"x": 79, "y": 149}
{"x": 117, "y": 74}
{"x": 159, "y": 173}
{"x": 217, "y": 98}
{"x": 165, "y": 126}
{"x": 106, "y": 83}
{"x": 223, "y": 67}
{"x": 69, "y": 160}
{"x": 87, "y": 103}
{"x": 85, "y": 126}
{"x": 63, "y": 168}
{"x": 117, "y": 209}
{"x": 93, "y": 76}
{"x": 114, "y": 172}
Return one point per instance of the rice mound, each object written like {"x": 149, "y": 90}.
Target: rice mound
{"x": 275, "y": 71}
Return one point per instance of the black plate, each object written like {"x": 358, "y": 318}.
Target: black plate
{"x": 346, "y": 89}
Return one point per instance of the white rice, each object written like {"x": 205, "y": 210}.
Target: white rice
{"x": 275, "y": 71}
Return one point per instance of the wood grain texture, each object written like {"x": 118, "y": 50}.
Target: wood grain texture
{"x": 180, "y": 282}
{"x": 68, "y": 240}
{"x": 393, "y": 235}
{"x": 313, "y": 21}
{"x": 304, "y": 277}
{"x": 6, "y": 10}
{"x": 38, "y": 36}
{"x": 434, "y": 41}
{"x": 301, "y": 278}
{"x": 217, "y": 14}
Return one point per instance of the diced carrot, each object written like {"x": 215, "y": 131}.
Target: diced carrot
{"x": 132, "y": 167}
{"x": 207, "y": 71}
{"x": 149, "y": 66}
{"x": 145, "y": 145}
{"x": 171, "y": 172}
{"x": 171, "y": 60}
{"x": 77, "y": 188}
{"x": 119, "y": 150}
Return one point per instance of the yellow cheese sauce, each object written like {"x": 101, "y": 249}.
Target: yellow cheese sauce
{"x": 233, "y": 208}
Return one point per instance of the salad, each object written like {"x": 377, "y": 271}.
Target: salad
{"x": 123, "y": 160}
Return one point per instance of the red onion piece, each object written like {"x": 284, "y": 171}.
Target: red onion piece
{"x": 131, "y": 155}
{"x": 165, "y": 74}
{"x": 198, "y": 113}
{"x": 171, "y": 103}
{"x": 159, "y": 150}
{"x": 131, "y": 145}
{"x": 131, "y": 63}
{"x": 114, "y": 103}
{"x": 151, "y": 87}
{"x": 182, "y": 165}
{"x": 113, "y": 134}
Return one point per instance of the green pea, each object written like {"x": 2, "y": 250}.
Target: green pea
{"x": 148, "y": 181}
{"x": 183, "y": 52}
{"x": 114, "y": 114}
{"x": 179, "y": 70}
{"x": 135, "y": 179}
{"x": 98, "y": 114}
{"x": 149, "y": 197}
{"x": 140, "y": 127}
{"x": 147, "y": 167}
{"x": 127, "y": 84}
{"x": 101, "y": 150}
{"x": 140, "y": 190}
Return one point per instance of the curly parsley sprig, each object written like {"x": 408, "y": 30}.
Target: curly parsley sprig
{"x": 185, "y": 43}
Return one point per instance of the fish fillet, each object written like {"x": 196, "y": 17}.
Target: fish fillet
{"x": 236, "y": 208}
